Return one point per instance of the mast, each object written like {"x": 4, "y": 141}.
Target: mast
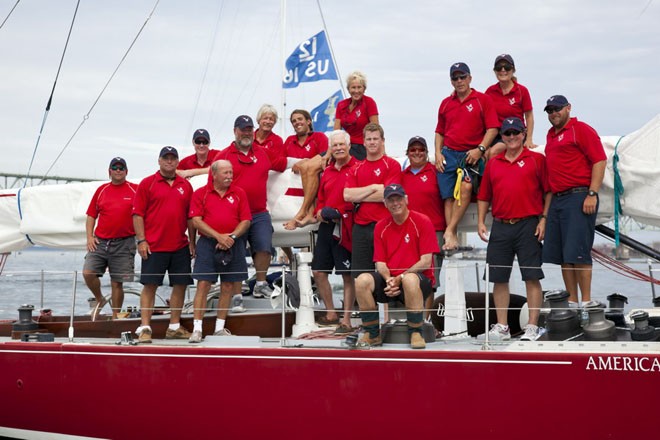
{"x": 282, "y": 117}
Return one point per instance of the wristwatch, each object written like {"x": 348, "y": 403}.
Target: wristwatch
{"x": 482, "y": 148}
{"x": 233, "y": 236}
{"x": 141, "y": 241}
{"x": 592, "y": 193}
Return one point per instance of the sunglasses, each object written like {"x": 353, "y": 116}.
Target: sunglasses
{"x": 416, "y": 150}
{"x": 117, "y": 168}
{"x": 507, "y": 67}
{"x": 459, "y": 77}
{"x": 551, "y": 110}
{"x": 201, "y": 142}
{"x": 511, "y": 133}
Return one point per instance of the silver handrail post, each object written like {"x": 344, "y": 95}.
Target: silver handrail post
{"x": 486, "y": 345}
{"x": 476, "y": 271}
{"x": 283, "y": 297}
{"x": 73, "y": 305}
{"x": 650, "y": 263}
{"x": 42, "y": 289}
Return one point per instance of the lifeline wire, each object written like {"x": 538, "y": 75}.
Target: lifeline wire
{"x": 52, "y": 92}
{"x": 7, "y": 17}
{"x": 86, "y": 116}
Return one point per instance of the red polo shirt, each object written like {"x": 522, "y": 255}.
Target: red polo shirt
{"x": 316, "y": 143}
{"x": 571, "y": 154}
{"x": 463, "y": 124}
{"x": 164, "y": 208}
{"x": 384, "y": 171}
{"x": 251, "y": 173}
{"x": 331, "y": 193}
{"x": 424, "y": 194}
{"x": 274, "y": 146}
{"x": 401, "y": 246}
{"x": 222, "y": 213}
{"x": 112, "y": 205}
{"x": 515, "y": 189}
{"x": 354, "y": 121}
{"x": 515, "y": 103}
{"x": 190, "y": 162}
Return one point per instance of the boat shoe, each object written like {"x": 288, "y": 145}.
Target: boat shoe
{"x": 417, "y": 340}
{"x": 180, "y": 333}
{"x": 343, "y": 329}
{"x": 367, "y": 341}
{"x": 145, "y": 336}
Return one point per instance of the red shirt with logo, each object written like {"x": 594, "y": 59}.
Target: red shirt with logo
{"x": 274, "y": 146}
{"x": 515, "y": 189}
{"x": 251, "y": 173}
{"x": 331, "y": 193}
{"x": 384, "y": 171}
{"x": 164, "y": 208}
{"x": 571, "y": 154}
{"x": 316, "y": 143}
{"x": 222, "y": 213}
{"x": 354, "y": 121}
{"x": 190, "y": 162}
{"x": 401, "y": 246}
{"x": 112, "y": 205}
{"x": 515, "y": 103}
{"x": 424, "y": 194}
{"x": 463, "y": 124}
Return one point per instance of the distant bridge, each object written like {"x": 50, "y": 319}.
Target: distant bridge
{"x": 8, "y": 180}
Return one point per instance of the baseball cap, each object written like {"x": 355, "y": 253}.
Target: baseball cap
{"x": 117, "y": 160}
{"x": 417, "y": 140}
{"x": 393, "y": 189}
{"x": 169, "y": 150}
{"x": 512, "y": 123}
{"x": 458, "y": 67}
{"x": 504, "y": 57}
{"x": 201, "y": 133}
{"x": 556, "y": 101}
{"x": 243, "y": 121}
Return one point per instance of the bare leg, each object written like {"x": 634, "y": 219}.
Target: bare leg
{"x": 93, "y": 282}
{"x": 364, "y": 288}
{"x": 309, "y": 174}
{"x": 199, "y": 303}
{"x": 261, "y": 264}
{"x": 457, "y": 213}
{"x": 413, "y": 293}
{"x": 226, "y": 293}
{"x": 501, "y": 299}
{"x": 147, "y": 299}
{"x": 570, "y": 281}
{"x": 325, "y": 292}
{"x": 176, "y": 302}
{"x": 583, "y": 275}
{"x": 117, "y": 297}
{"x": 534, "y": 300}
{"x": 349, "y": 298}
{"x": 495, "y": 150}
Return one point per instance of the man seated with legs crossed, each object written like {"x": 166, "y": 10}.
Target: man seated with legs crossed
{"x": 404, "y": 244}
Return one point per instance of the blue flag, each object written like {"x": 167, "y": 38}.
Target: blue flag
{"x": 311, "y": 61}
{"x": 323, "y": 116}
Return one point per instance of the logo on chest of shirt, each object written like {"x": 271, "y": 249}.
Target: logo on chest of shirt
{"x": 230, "y": 199}
{"x": 407, "y": 238}
{"x": 512, "y": 101}
{"x": 308, "y": 147}
{"x": 560, "y": 137}
{"x": 180, "y": 190}
{"x": 521, "y": 163}
{"x": 469, "y": 107}
{"x": 358, "y": 113}
{"x": 424, "y": 178}
{"x": 377, "y": 171}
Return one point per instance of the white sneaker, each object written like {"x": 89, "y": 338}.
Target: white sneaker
{"x": 237, "y": 305}
{"x": 498, "y": 332}
{"x": 262, "y": 291}
{"x": 532, "y": 333}
{"x": 223, "y": 332}
{"x": 196, "y": 337}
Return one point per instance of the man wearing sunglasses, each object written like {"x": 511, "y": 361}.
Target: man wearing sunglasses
{"x": 515, "y": 184}
{"x": 576, "y": 167}
{"x": 198, "y": 163}
{"x": 467, "y": 125}
{"x": 111, "y": 239}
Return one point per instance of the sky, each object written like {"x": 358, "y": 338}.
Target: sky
{"x": 199, "y": 64}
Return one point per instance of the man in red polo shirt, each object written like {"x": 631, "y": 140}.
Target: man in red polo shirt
{"x": 112, "y": 244}
{"x": 467, "y": 124}
{"x": 364, "y": 188}
{"x": 404, "y": 244}
{"x": 199, "y": 162}
{"x": 515, "y": 182}
{"x": 251, "y": 165}
{"x": 576, "y": 167}
{"x": 310, "y": 146}
{"x": 160, "y": 218}
{"x": 221, "y": 213}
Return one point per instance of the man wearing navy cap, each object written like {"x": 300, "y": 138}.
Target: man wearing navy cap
{"x": 576, "y": 167}
{"x": 404, "y": 244}
{"x": 467, "y": 125}
{"x": 160, "y": 217}
{"x": 111, "y": 241}
{"x": 204, "y": 156}
{"x": 515, "y": 183}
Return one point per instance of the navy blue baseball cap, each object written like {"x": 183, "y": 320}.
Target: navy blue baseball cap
{"x": 393, "y": 189}
{"x": 512, "y": 123}
{"x": 504, "y": 57}
{"x": 243, "y": 121}
{"x": 169, "y": 150}
{"x": 117, "y": 160}
{"x": 556, "y": 101}
{"x": 201, "y": 133}
{"x": 458, "y": 67}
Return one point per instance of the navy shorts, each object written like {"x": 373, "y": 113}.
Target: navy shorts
{"x": 362, "y": 259}
{"x": 447, "y": 180}
{"x": 328, "y": 253}
{"x": 176, "y": 264}
{"x": 117, "y": 255}
{"x": 569, "y": 232}
{"x": 260, "y": 234}
{"x": 379, "y": 288}
{"x": 207, "y": 268}
{"x": 508, "y": 241}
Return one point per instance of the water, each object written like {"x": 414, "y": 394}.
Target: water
{"x": 20, "y": 282}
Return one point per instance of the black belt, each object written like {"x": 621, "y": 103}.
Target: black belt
{"x": 116, "y": 239}
{"x": 577, "y": 189}
{"x": 513, "y": 221}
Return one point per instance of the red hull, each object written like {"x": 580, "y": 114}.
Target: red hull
{"x": 202, "y": 392}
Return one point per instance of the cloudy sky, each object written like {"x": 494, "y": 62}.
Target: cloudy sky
{"x": 202, "y": 63}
